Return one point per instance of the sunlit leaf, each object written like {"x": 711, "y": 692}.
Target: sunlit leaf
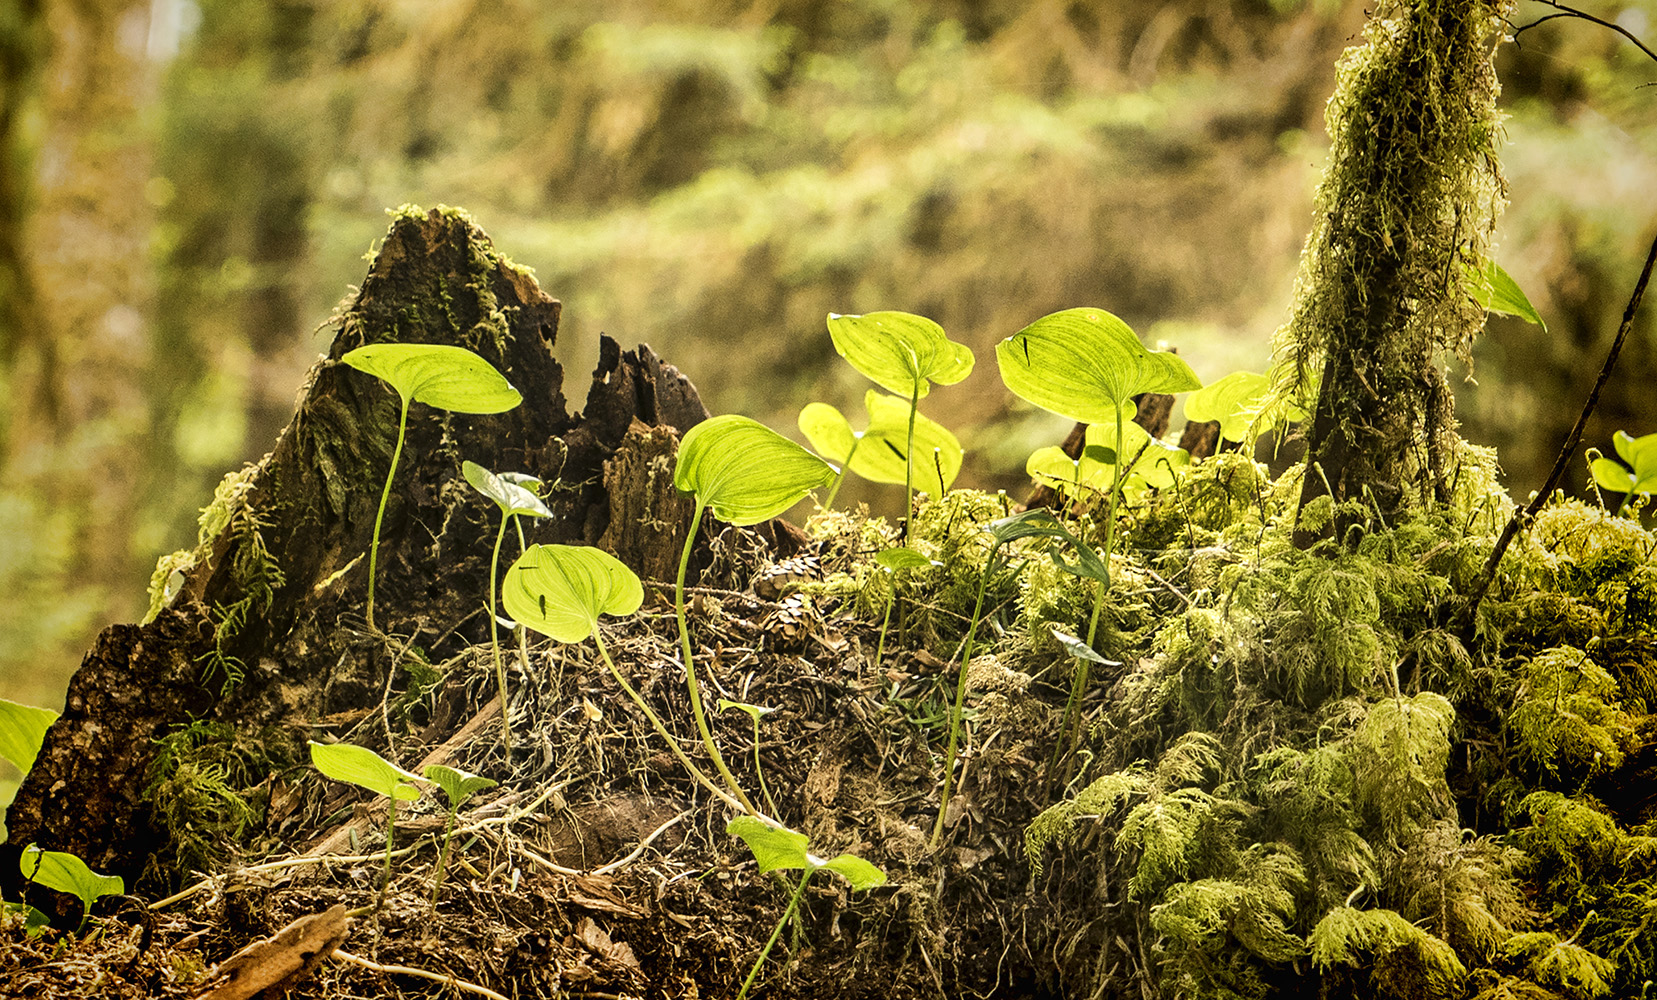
{"x": 65, "y": 872}
{"x": 1242, "y": 404}
{"x": 458, "y": 785}
{"x": 34, "y": 921}
{"x": 903, "y": 558}
{"x": 1494, "y": 290}
{"x": 1612, "y": 475}
{"x": 877, "y": 453}
{"x": 22, "y": 731}
{"x": 899, "y": 351}
{"x": 364, "y": 768}
{"x": 745, "y": 471}
{"x": 440, "y": 375}
{"x": 1153, "y": 463}
{"x": 861, "y": 874}
{"x": 1083, "y": 363}
{"x": 754, "y": 711}
{"x": 561, "y": 590}
{"x": 510, "y": 497}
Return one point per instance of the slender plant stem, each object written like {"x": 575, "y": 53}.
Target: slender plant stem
{"x": 1078, "y": 683}
{"x": 390, "y": 831}
{"x": 1528, "y": 513}
{"x": 793, "y": 904}
{"x": 385, "y": 494}
{"x": 495, "y": 639}
{"x": 845, "y": 467}
{"x": 759, "y": 770}
{"x": 443, "y": 854}
{"x": 690, "y": 666}
{"x": 661, "y": 729}
{"x": 891, "y": 599}
{"x": 909, "y": 462}
{"x": 960, "y": 703}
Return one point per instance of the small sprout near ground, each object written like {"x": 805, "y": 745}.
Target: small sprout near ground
{"x": 747, "y": 473}
{"x": 513, "y": 499}
{"x": 364, "y": 768}
{"x": 1638, "y": 477}
{"x": 778, "y": 848}
{"x": 754, "y": 713}
{"x": 458, "y": 786}
{"x": 65, "y": 872}
{"x": 449, "y": 378}
{"x": 561, "y": 590}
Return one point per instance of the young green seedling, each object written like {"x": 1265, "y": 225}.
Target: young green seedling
{"x": 449, "y": 378}
{"x": 747, "y": 473}
{"x": 65, "y": 872}
{"x": 1087, "y": 365}
{"x": 513, "y": 500}
{"x": 458, "y": 786}
{"x": 754, "y": 713}
{"x": 895, "y": 561}
{"x": 1029, "y": 524}
{"x": 561, "y": 590}
{"x": 877, "y": 452}
{"x": 1243, "y": 405}
{"x": 778, "y": 848}
{"x": 1638, "y": 477}
{"x": 1147, "y": 463}
{"x": 22, "y": 731}
{"x": 364, "y": 768}
{"x": 905, "y": 354}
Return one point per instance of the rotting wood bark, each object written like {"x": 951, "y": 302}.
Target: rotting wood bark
{"x": 300, "y": 525}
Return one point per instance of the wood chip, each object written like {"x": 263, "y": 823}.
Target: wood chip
{"x": 281, "y": 960}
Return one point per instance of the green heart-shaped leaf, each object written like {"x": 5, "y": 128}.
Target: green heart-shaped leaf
{"x": 746, "y": 471}
{"x": 1238, "y": 403}
{"x": 561, "y": 590}
{"x": 458, "y": 785}
{"x": 65, "y": 872}
{"x": 1084, "y": 363}
{"x": 1494, "y": 290}
{"x": 1611, "y": 475}
{"x": 364, "y": 768}
{"x": 508, "y": 496}
{"x": 900, "y": 351}
{"x": 879, "y": 456}
{"x": 22, "y": 731}
{"x": 440, "y": 375}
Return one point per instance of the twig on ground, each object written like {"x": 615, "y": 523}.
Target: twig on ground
{"x": 403, "y": 970}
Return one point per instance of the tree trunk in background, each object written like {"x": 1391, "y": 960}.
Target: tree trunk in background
{"x": 1407, "y": 204}
{"x": 75, "y": 382}
{"x": 23, "y": 343}
{"x": 236, "y": 152}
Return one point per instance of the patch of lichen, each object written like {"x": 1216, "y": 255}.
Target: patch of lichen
{"x": 208, "y": 791}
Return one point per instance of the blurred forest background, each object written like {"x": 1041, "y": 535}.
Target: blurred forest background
{"x": 188, "y": 188}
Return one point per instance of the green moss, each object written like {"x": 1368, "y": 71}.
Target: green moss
{"x": 207, "y": 786}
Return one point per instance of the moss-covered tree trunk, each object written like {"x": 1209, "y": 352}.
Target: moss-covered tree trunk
{"x": 1406, "y": 206}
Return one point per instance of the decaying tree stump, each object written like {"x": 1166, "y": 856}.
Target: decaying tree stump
{"x": 273, "y": 595}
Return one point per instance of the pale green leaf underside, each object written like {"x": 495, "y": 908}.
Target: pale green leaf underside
{"x": 440, "y": 375}
{"x": 902, "y": 558}
{"x": 561, "y": 590}
{"x": 364, "y": 768}
{"x": 746, "y": 472}
{"x": 1153, "y": 463}
{"x": 1495, "y": 291}
{"x": 900, "y": 351}
{"x": 66, "y": 873}
{"x": 1240, "y": 402}
{"x": 775, "y": 848}
{"x": 756, "y": 711}
{"x": 22, "y": 731}
{"x": 458, "y": 785}
{"x": 1083, "y": 363}
{"x": 508, "y": 496}
{"x": 861, "y": 874}
{"x": 879, "y": 458}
